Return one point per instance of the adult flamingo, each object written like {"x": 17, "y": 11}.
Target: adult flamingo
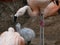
{"x": 11, "y": 37}
{"x": 33, "y": 8}
{"x": 39, "y": 4}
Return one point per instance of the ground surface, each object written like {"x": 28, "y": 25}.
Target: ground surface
{"x": 52, "y": 24}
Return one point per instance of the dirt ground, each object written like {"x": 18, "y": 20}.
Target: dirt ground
{"x": 52, "y": 29}
{"x": 52, "y": 24}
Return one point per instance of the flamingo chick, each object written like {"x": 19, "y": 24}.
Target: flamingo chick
{"x": 11, "y": 37}
{"x": 27, "y": 33}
